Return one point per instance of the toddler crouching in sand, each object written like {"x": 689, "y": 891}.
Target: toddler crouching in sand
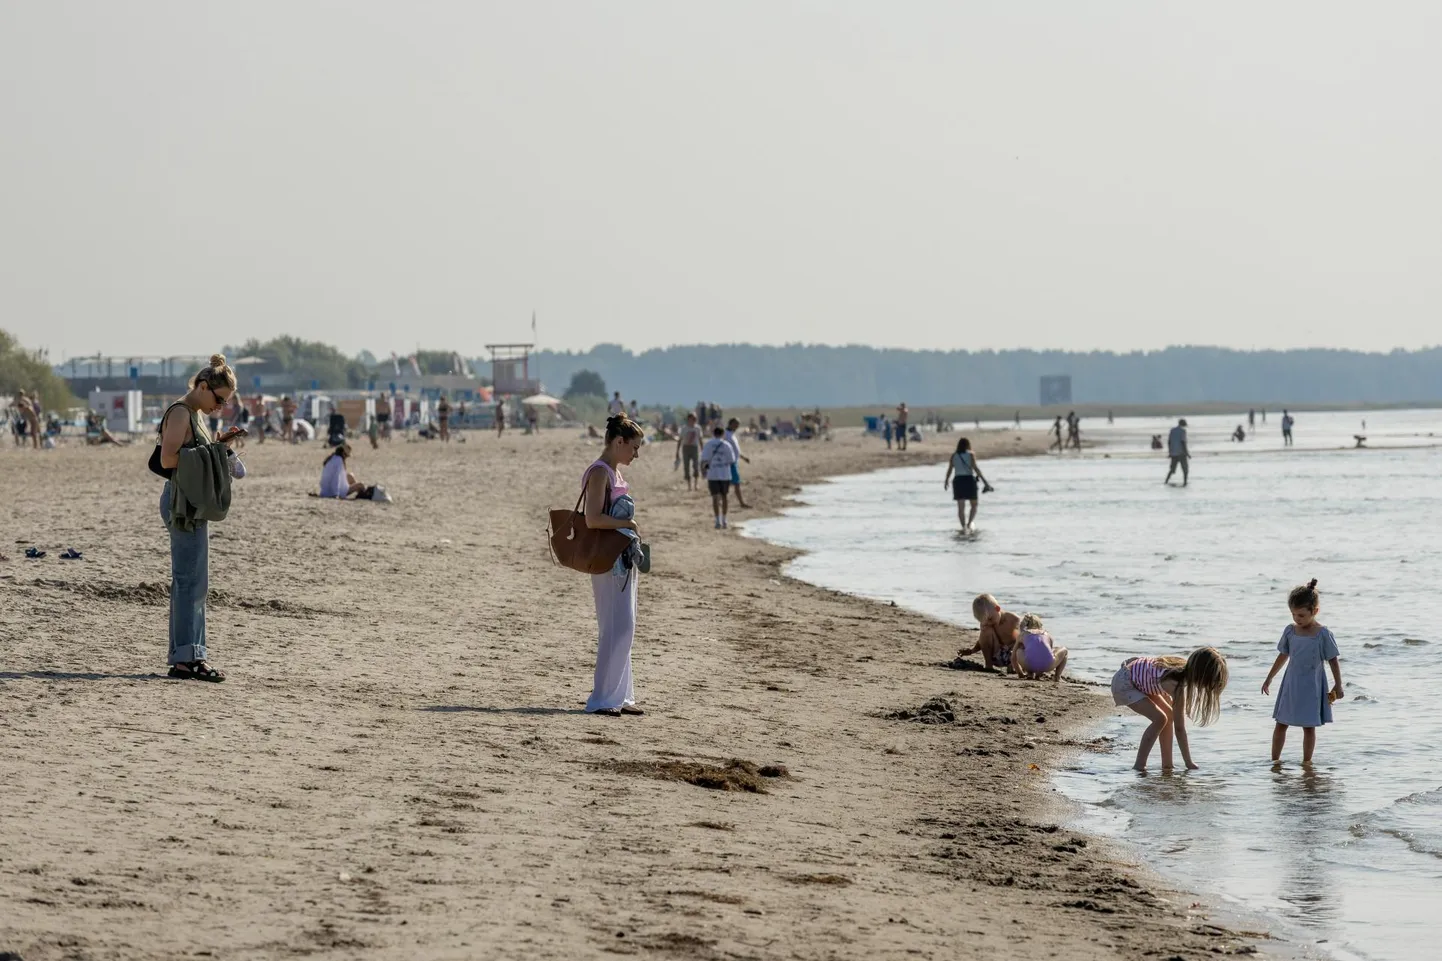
{"x": 998, "y": 633}
{"x": 1035, "y": 654}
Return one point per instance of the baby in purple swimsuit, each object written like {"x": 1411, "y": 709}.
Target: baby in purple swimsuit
{"x": 1035, "y": 653}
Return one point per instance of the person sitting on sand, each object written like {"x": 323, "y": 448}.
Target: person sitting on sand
{"x": 998, "y": 633}
{"x": 97, "y": 433}
{"x": 1035, "y": 653}
{"x": 336, "y": 480}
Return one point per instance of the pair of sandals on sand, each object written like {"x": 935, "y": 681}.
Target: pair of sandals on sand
{"x": 35, "y": 554}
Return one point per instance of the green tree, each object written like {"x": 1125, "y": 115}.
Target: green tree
{"x": 21, "y": 369}
{"x": 303, "y": 361}
{"x": 586, "y": 383}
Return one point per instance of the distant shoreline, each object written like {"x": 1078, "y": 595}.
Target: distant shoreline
{"x": 852, "y": 416}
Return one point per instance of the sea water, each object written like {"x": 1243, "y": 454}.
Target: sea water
{"x": 1347, "y": 858}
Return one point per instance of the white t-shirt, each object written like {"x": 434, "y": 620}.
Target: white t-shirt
{"x": 617, "y": 406}
{"x": 691, "y": 436}
{"x": 718, "y": 456}
{"x": 730, "y": 438}
{"x": 332, "y": 478}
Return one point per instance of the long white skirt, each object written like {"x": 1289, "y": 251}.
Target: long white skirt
{"x": 616, "y": 618}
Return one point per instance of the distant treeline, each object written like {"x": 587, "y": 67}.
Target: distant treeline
{"x": 800, "y": 375}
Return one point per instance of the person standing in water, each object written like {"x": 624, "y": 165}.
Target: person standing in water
{"x": 1304, "y": 700}
{"x": 961, "y": 477}
{"x": 1177, "y": 448}
{"x": 1287, "y": 423}
{"x": 609, "y": 506}
{"x": 1056, "y": 431}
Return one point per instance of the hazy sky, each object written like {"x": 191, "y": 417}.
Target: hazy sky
{"x": 174, "y": 176}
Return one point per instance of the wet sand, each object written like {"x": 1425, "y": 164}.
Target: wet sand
{"x": 398, "y": 766}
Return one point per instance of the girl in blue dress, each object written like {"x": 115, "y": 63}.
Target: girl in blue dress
{"x": 1304, "y": 700}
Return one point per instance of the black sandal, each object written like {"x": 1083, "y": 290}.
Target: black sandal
{"x": 196, "y": 671}
{"x": 608, "y": 712}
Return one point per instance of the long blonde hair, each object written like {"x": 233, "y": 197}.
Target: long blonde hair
{"x": 1204, "y": 676}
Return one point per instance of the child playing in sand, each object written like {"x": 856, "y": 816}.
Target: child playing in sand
{"x": 998, "y": 633}
{"x": 1304, "y": 700}
{"x": 1167, "y": 691}
{"x": 1035, "y": 654}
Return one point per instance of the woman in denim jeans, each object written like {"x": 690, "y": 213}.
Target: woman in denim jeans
{"x": 182, "y": 426}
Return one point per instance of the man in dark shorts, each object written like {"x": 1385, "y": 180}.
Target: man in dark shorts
{"x": 1177, "y": 448}
{"x": 443, "y": 418}
{"x": 900, "y": 429}
{"x": 383, "y": 415}
{"x": 716, "y": 460}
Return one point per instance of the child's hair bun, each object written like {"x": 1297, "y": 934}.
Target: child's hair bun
{"x": 1312, "y": 584}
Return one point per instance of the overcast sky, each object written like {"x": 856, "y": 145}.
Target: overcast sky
{"x": 174, "y": 176}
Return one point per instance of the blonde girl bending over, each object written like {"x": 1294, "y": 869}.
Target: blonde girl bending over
{"x": 1168, "y": 690}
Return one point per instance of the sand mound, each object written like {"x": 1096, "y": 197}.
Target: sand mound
{"x": 938, "y": 710}
{"x": 734, "y": 775}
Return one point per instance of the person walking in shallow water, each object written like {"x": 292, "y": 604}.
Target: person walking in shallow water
{"x": 1177, "y": 448}
{"x": 961, "y": 477}
{"x": 1287, "y": 422}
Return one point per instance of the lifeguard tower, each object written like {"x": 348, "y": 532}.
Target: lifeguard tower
{"x": 511, "y": 369}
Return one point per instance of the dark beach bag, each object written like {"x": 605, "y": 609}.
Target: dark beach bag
{"x": 576, "y": 546}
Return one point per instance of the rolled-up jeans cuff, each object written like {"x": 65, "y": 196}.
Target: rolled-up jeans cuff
{"x": 187, "y": 654}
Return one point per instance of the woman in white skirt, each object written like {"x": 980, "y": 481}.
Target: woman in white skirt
{"x": 609, "y": 506}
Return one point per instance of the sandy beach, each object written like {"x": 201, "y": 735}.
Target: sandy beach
{"x": 398, "y": 765}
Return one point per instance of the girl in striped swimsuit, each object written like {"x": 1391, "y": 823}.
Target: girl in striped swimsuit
{"x": 1168, "y": 690}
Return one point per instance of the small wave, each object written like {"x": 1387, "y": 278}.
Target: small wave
{"x": 1414, "y": 641}
{"x": 1369, "y": 645}
{"x": 1411, "y": 819}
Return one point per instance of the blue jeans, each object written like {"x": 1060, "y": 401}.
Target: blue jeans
{"x": 189, "y": 584}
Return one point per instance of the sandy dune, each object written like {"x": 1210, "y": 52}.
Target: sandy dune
{"x": 398, "y": 766}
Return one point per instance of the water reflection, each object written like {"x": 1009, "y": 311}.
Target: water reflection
{"x": 1308, "y": 816}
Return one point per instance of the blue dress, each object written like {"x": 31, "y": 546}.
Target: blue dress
{"x": 1302, "y": 700}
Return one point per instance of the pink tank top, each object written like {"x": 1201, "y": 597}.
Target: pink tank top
{"x": 1146, "y": 675}
{"x": 615, "y": 481}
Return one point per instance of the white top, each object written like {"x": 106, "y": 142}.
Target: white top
{"x": 332, "y": 477}
{"x": 730, "y": 438}
{"x": 718, "y": 457}
{"x": 963, "y": 463}
{"x": 616, "y": 406}
{"x": 691, "y": 436}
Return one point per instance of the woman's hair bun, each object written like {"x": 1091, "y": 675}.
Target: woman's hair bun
{"x": 217, "y": 360}
{"x": 1312, "y": 584}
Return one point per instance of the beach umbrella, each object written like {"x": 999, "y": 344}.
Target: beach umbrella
{"x": 541, "y": 400}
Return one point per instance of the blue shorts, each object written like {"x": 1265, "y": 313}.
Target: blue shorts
{"x": 735, "y": 476}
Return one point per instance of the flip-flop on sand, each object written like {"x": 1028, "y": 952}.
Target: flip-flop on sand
{"x": 34, "y": 553}
{"x": 71, "y": 554}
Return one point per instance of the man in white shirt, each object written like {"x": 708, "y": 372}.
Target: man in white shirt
{"x": 688, "y": 451}
{"x": 617, "y": 405}
{"x": 731, "y": 427}
{"x": 717, "y": 460}
{"x": 1177, "y": 448}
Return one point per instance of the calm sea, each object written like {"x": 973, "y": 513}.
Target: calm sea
{"x": 1346, "y": 860}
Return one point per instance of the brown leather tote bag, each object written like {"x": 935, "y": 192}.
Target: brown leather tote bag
{"x": 576, "y": 546}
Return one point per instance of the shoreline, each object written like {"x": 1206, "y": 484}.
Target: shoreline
{"x": 1266, "y": 936}
{"x": 398, "y": 765}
